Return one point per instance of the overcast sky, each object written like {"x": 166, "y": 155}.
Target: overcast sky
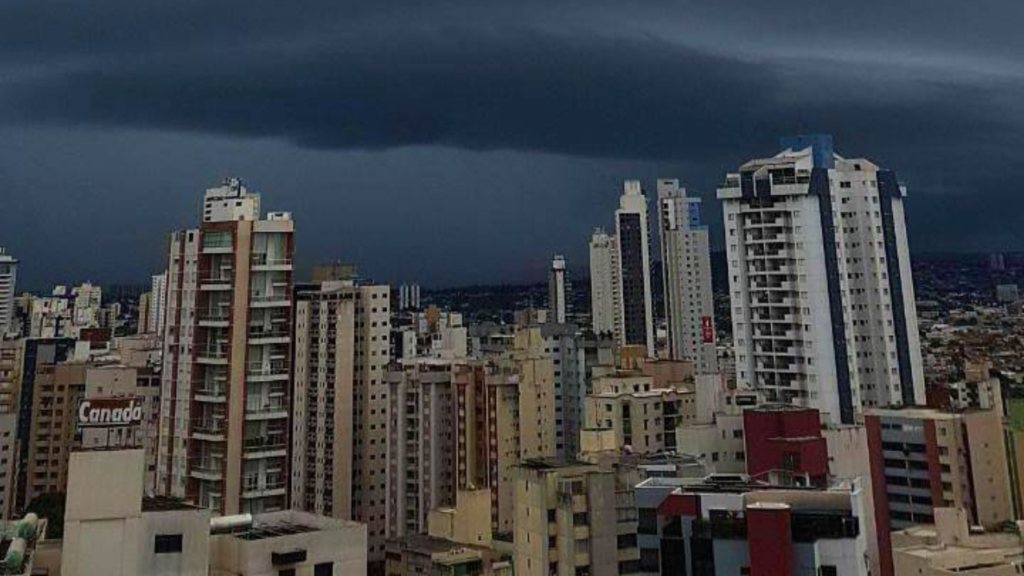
{"x": 456, "y": 142}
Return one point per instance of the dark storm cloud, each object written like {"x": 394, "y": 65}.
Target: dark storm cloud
{"x": 597, "y": 79}
{"x": 936, "y": 92}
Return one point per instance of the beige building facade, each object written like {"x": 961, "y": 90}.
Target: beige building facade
{"x": 339, "y": 430}
{"x": 227, "y": 351}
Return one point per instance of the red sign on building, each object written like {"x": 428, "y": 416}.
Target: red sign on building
{"x": 707, "y": 328}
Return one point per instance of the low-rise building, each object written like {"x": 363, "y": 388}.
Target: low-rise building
{"x": 422, "y": 554}
{"x": 290, "y": 542}
{"x": 112, "y": 528}
{"x": 643, "y": 416}
{"x": 949, "y": 547}
{"x": 728, "y": 524}
{"x": 565, "y": 520}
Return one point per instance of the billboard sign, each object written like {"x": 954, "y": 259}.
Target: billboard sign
{"x": 110, "y": 412}
{"x": 707, "y": 329}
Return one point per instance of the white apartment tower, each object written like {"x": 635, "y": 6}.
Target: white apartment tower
{"x": 557, "y": 286}
{"x": 604, "y": 283}
{"x": 819, "y": 276}
{"x": 686, "y": 265}
{"x": 339, "y": 428}
{"x": 226, "y": 362}
{"x": 8, "y": 282}
{"x": 158, "y": 303}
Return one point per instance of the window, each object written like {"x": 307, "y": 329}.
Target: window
{"x": 286, "y": 572}
{"x": 648, "y": 521}
{"x": 167, "y": 544}
{"x": 323, "y": 569}
{"x": 827, "y": 571}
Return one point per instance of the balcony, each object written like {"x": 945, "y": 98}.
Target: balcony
{"x": 214, "y": 356}
{"x": 265, "y": 447}
{"x": 219, "y": 317}
{"x": 268, "y": 410}
{"x": 210, "y": 431}
{"x": 267, "y": 372}
{"x": 217, "y": 280}
{"x": 211, "y": 393}
{"x": 210, "y": 469}
{"x": 261, "y": 261}
{"x": 262, "y": 335}
{"x": 280, "y": 300}
{"x": 272, "y": 485}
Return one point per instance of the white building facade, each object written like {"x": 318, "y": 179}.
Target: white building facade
{"x": 686, "y": 265}
{"x": 819, "y": 276}
{"x": 8, "y": 283}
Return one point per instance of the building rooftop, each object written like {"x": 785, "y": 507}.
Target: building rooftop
{"x": 553, "y": 463}
{"x": 165, "y": 504}
{"x": 261, "y": 531}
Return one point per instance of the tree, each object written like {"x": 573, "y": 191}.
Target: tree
{"x": 51, "y": 507}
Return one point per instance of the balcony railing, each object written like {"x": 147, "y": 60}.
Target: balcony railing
{"x": 253, "y": 484}
{"x": 212, "y": 428}
{"x": 262, "y": 259}
{"x": 214, "y": 314}
{"x": 209, "y": 466}
{"x": 265, "y": 443}
{"x": 276, "y": 368}
{"x": 269, "y": 407}
{"x": 260, "y": 332}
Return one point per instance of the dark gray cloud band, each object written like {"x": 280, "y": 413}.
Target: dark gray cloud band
{"x": 936, "y": 93}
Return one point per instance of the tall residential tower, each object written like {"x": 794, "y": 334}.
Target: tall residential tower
{"x": 8, "y": 280}
{"x": 819, "y": 277}
{"x": 686, "y": 268}
{"x": 620, "y": 274}
{"x": 339, "y": 433}
{"x": 558, "y": 311}
{"x": 227, "y": 349}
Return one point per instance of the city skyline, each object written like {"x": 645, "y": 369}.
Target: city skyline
{"x": 393, "y": 139}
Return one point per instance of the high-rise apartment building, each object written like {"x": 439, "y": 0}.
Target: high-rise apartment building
{"x": 227, "y": 352}
{"x": 604, "y": 284}
{"x": 924, "y": 459}
{"x": 620, "y": 274}
{"x": 8, "y": 283}
{"x": 339, "y": 428}
{"x": 421, "y": 436}
{"x": 558, "y": 310}
{"x": 686, "y": 269}
{"x": 487, "y": 436}
{"x": 56, "y": 395}
{"x": 819, "y": 278}
{"x": 40, "y": 358}
{"x": 157, "y": 304}
{"x": 634, "y": 261}
{"x": 534, "y": 369}
{"x": 409, "y": 297}
{"x": 562, "y": 344}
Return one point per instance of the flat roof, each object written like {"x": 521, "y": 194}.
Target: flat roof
{"x": 165, "y": 504}
{"x": 274, "y": 530}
